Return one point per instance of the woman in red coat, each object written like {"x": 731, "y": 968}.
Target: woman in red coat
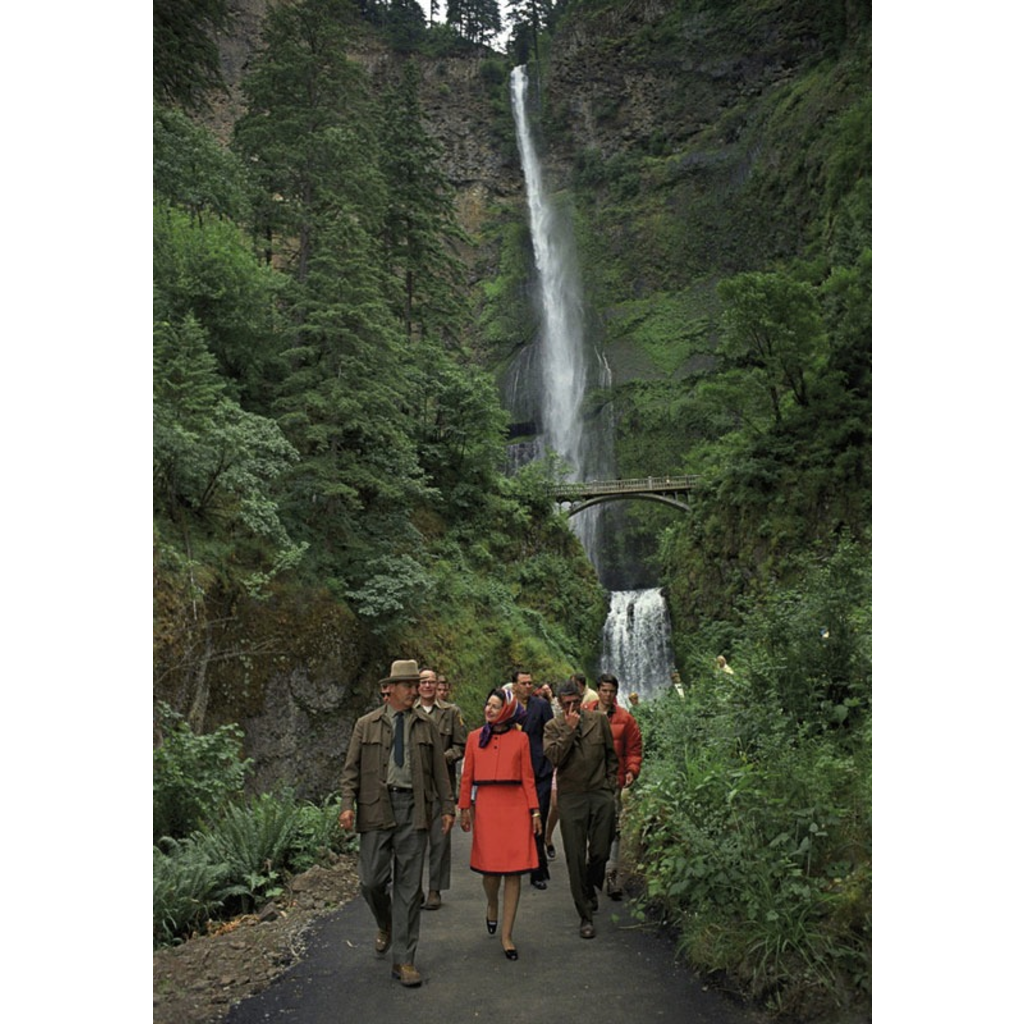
{"x": 498, "y": 801}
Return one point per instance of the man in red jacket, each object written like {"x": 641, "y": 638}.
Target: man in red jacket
{"x": 630, "y": 748}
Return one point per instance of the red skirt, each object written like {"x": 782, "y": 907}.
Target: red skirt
{"x": 503, "y": 842}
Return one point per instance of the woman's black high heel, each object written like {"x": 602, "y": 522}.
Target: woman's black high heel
{"x": 492, "y": 927}
{"x": 512, "y": 954}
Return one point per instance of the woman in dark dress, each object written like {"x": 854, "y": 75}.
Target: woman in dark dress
{"x": 498, "y": 801}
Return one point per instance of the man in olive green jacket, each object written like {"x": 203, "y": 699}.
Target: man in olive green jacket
{"x": 448, "y": 719}
{"x": 580, "y": 746}
{"x": 394, "y": 775}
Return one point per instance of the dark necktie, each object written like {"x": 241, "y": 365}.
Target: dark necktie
{"x": 399, "y": 739}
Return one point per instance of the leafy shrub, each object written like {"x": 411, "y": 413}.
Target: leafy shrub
{"x": 193, "y": 776}
{"x": 188, "y": 888}
{"x": 317, "y": 835}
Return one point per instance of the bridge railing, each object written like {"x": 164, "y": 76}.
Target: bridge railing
{"x": 576, "y": 490}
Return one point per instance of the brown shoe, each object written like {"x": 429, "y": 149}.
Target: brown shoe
{"x": 433, "y": 900}
{"x": 383, "y": 941}
{"x": 587, "y": 930}
{"x": 406, "y": 974}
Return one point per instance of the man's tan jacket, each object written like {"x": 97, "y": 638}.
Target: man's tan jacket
{"x": 364, "y": 778}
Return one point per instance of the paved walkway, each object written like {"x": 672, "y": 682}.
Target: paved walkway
{"x": 625, "y": 974}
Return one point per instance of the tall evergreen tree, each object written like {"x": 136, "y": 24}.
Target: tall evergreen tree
{"x": 478, "y": 20}
{"x": 349, "y": 395}
{"x": 528, "y": 18}
{"x": 347, "y": 404}
{"x": 420, "y": 228}
{"x": 186, "y": 62}
{"x": 308, "y": 130}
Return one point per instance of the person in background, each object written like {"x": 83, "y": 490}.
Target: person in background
{"x": 587, "y": 695}
{"x": 634, "y": 698}
{"x": 538, "y": 714}
{"x": 722, "y": 665}
{"x": 450, "y": 725}
{"x": 580, "y": 746}
{"x": 444, "y": 689}
{"x": 446, "y": 694}
{"x": 393, "y": 776}
{"x": 629, "y": 747}
{"x": 504, "y": 815}
{"x": 677, "y": 685}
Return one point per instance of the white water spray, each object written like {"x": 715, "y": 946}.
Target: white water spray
{"x": 563, "y": 370}
{"x": 635, "y": 642}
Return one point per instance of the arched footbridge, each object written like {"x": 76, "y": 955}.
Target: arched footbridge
{"x": 669, "y": 490}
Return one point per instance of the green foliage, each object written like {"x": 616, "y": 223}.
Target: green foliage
{"x": 772, "y": 330}
{"x": 508, "y": 318}
{"x": 203, "y": 267}
{"x": 254, "y": 840}
{"x": 401, "y": 22}
{"x": 478, "y": 20}
{"x": 317, "y": 835}
{"x": 242, "y": 858}
{"x": 420, "y": 230}
{"x": 809, "y": 652}
{"x": 752, "y": 816}
{"x": 188, "y": 888}
{"x": 193, "y": 171}
{"x": 186, "y": 63}
{"x": 212, "y": 461}
{"x": 308, "y": 130}
{"x": 395, "y": 588}
{"x": 194, "y": 776}
{"x": 494, "y": 73}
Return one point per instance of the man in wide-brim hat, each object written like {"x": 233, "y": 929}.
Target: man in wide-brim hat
{"x": 395, "y": 772}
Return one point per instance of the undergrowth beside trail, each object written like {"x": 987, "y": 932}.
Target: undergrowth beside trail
{"x": 752, "y": 817}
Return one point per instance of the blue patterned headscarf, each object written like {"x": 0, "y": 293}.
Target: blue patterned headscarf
{"x": 512, "y": 712}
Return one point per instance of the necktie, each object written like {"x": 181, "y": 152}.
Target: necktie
{"x": 399, "y": 739}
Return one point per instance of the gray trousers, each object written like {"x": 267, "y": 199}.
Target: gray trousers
{"x": 439, "y": 870}
{"x": 587, "y": 824}
{"x": 395, "y": 856}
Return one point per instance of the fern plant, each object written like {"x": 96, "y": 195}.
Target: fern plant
{"x": 254, "y": 840}
{"x": 189, "y": 886}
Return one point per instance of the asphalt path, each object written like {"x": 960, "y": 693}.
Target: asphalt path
{"x": 627, "y": 973}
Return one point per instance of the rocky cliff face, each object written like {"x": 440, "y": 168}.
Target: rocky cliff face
{"x": 457, "y": 97}
{"x": 294, "y": 670}
{"x": 627, "y": 77}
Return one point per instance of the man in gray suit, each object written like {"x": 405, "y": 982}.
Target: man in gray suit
{"x": 394, "y": 774}
{"x": 579, "y": 744}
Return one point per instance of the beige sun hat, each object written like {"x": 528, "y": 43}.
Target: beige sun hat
{"x": 403, "y": 672}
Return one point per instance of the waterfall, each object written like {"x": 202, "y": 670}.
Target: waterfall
{"x": 548, "y": 388}
{"x": 563, "y": 369}
{"x": 635, "y": 642}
